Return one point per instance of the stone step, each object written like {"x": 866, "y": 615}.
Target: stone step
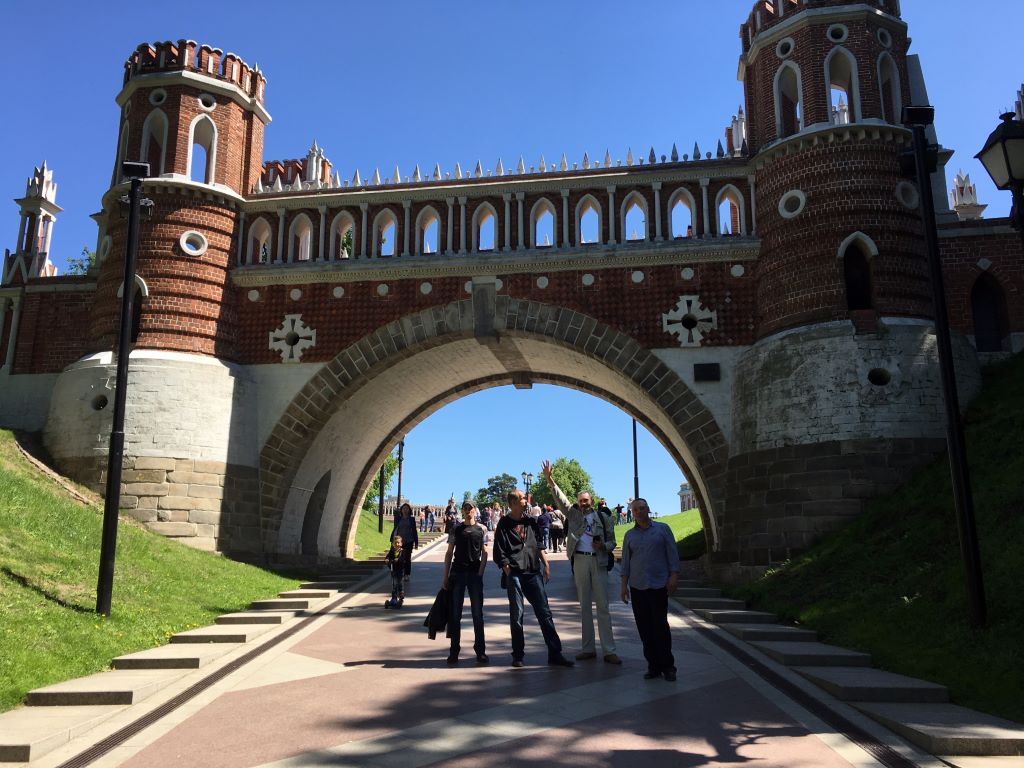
{"x": 256, "y": 617}
{"x": 337, "y": 586}
{"x": 713, "y": 603}
{"x": 222, "y": 633}
{"x": 281, "y": 604}
{"x": 689, "y": 583}
{"x": 177, "y": 656}
{"x": 28, "y": 733}
{"x": 122, "y": 686}
{"x": 875, "y": 685}
{"x": 751, "y": 632}
{"x": 946, "y": 729}
{"x": 811, "y": 654}
{"x": 697, "y": 592}
{"x": 312, "y": 594}
{"x": 737, "y": 617}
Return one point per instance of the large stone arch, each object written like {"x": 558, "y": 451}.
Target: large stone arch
{"x": 353, "y": 410}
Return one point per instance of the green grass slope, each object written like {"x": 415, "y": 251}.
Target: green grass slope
{"x": 49, "y": 554}
{"x": 892, "y": 583}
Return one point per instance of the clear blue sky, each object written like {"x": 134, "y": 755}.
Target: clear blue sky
{"x": 406, "y": 82}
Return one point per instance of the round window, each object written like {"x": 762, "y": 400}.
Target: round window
{"x": 193, "y": 243}
{"x": 792, "y": 204}
{"x": 207, "y": 102}
{"x": 885, "y": 38}
{"x": 879, "y": 377}
{"x": 104, "y": 249}
{"x": 157, "y": 96}
{"x": 784, "y": 48}
{"x": 838, "y": 33}
{"x": 908, "y": 195}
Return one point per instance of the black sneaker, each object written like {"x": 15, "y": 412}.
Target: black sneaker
{"x": 650, "y": 674}
{"x": 560, "y": 661}
{"x": 670, "y": 676}
{"x": 482, "y": 658}
{"x": 517, "y": 663}
{"x": 452, "y": 659}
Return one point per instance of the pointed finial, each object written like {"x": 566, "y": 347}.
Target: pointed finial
{"x": 458, "y": 170}
{"x": 586, "y": 161}
{"x": 675, "y": 153}
{"x": 259, "y": 185}
{"x": 521, "y": 168}
{"x": 542, "y": 166}
{"x": 499, "y": 169}
{"x": 479, "y": 170}
{"x": 721, "y": 150}
{"x": 629, "y": 156}
{"x": 397, "y": 178}
{"x": 745, "y": 149}
{"x": 337, "y": 180}
{"x": 607, "y": 159}
{"x": 564, "y": 165}
{"x": 652, "y": 158}
{"x": 376, "y": 177}
{"x": 278, "y": 186}
{"x": 437, "y": 172}
{"x": 547, "y": 240}
{"x": 356, "y": 181}
{"x": 696, "y": 151}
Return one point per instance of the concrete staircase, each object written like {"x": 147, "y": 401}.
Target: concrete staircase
{"x": 56, "y": 714}
{"x": 917, "y": 710}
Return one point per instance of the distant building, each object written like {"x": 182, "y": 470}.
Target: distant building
{"x": 687, "y": 500}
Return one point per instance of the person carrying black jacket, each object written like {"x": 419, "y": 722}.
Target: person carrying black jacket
{"x": 518, "y": 553}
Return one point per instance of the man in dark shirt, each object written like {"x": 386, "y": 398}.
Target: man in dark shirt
{"x": 518, "y": 553}
{"x": 464, "y": 564}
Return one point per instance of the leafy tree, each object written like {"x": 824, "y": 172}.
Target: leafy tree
{"x": 373, "y": 492}
{"x": 83, "y": 264}
{"x": 346, "y": 242}
{"x": 496, "y": 491}
{"x": 571, "y": 477}
{"x": 467, "y": 496}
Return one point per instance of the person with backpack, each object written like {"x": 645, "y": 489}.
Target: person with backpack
{"x": 589, "y": 541}
{"x": 557, "y": 527}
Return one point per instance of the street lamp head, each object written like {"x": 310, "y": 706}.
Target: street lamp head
{"x": 918, "y": 116}
{"x": 132, "y": 170}
{"x": 1003, "y": 153}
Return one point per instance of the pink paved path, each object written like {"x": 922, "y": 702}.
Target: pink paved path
{"x": 366, "y": 687}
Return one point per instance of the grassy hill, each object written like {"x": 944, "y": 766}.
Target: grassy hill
{"x": 892, "y": 583}
{"x": 49, "y": 555}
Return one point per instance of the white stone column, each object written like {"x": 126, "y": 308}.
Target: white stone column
{"x": 507, "y": 197}
{"x": 323, "y": 256}
{"x": 612, "y": 215}
{"x": 520, "y": 196}
{"x": 407, "y": 204}
{"x": 462, "y": 224}
{"x": 20, "y": 244}
{"x": 657, "y": 211}
{"x": 364, "y": 207}
{"x": 753, "y": 207}
{"x": 707, "y": 214}
{"x": 49, "y": 233}
{"x": 13, "y": 337}
{"x": 241, "y": 239}
{"x": 565, "y": 218}
{"x": 280, "y": 236}
{"x": 451, "y": 223}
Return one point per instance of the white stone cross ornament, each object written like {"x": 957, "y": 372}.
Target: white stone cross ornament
{"x": 292, "y": 338}
{"x": 690, "y": 321}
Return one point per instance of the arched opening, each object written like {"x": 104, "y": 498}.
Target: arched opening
{"x": 731, "y": 217}
{"x": 588, "y": 221}
{"x": 154, "y": 140}
{"x": 385, "y": 229}
{"x": 844, "y": 89}
{"x": 428, "y": 232}
{"x": 259, "y": 248}
{"x": 789, "y": 117}
{"x": 314, "y": 515}
{"x": 542, "y": 220}
{"x": 432, "y": 371}
{"x": 634, "y": 217}
{"x": 136, "y": 315}
{"x": 889, "y": 85}
{"x": 484, "y": 226}
{"x": 682, "y": 212}
{"x": 857, "y": 277}
{"x": 988, "y": 311}
{"x": 342, "y": 237}
{"x": 300, "y": 237}
{"x": 202, "y": 156}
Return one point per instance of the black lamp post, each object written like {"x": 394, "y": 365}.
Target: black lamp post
{"x": 636, "y": 474}
{"x": 527, "y": 484}
{"x": 401, "y": 459}
{"x": 136, "y": 172}
{"x": 918, "y": 119}
{"x": 1003, "y": 158}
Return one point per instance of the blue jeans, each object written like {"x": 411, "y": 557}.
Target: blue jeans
{"x": 531, "y": 586}
{"x": 545, "y": 538}
{"x": 458, "y": 583}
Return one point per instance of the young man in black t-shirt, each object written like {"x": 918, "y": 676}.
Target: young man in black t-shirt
{"x": 464, "y": 564}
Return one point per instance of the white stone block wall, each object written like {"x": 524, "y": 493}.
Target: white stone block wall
{"x": 25, "y": 399}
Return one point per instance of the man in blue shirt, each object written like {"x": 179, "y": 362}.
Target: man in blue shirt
{"x": 650, "y": 573}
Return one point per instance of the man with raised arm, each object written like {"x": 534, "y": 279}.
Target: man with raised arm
{"x": 517, "y": 552}
{"x": 589, "y": 541}
{"x": 650, "y": 573}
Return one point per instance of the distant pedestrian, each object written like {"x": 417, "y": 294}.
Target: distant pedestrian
{"x": 557, "y": 527}
{"x": 405, "y": 527}
{"x": 450, "y": 516}
{"x": 517, "y": 552}
{"x": 423, "y": 520}
{"x": 431, "y": 520}
{"x": 650, "y": 573}
{"x": 589, "y": 541}
{"x": 544, "y": 521}
{"x": 485, "y": 518}
{"x": 464, "y": 564}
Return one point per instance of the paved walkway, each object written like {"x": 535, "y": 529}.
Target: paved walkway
{"x": 362, "y": 686}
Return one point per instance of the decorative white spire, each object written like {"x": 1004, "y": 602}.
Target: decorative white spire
{"x": 542, "y": 166}
{"x": 696, "y": 151}
{"x": 356, "y": 181}
{"x": 479, "y": 170}
{"x": 629, "y": 156}
{"x": 499, "y": 170}
{"x": 437, "y": 172}
{"x": 586, "y": 161}
{"x": 675, "y": 153}
{"x": 521, "y": 168}
{"x": 564, "y": 164}
{"x": 278, "y": 186}
{"x": 458, "y": 170}
{"x": 397, "y": 178}
{"x": 965, "y": 198}
{"x": 416, "y": 176}
{"x": 376, "y": 177}
{"x": 607, "y": 159}
{"x": 652, "y": 158}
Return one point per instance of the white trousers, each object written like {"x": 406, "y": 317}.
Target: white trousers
{"x": 592, "y": 587}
